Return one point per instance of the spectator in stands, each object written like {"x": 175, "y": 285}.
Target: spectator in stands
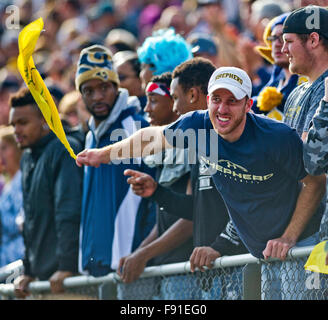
{"x": 272, "y": 97}
{"x": 52, "y": 204}
{"x": 205, "y": 46}
{"x": 121, "y": 40}
{"x": 304, "y": 106}
{"x": 11, "y": 199}
{"x": 128, "y": 68}
{"x": 162, "y": 52}
{"x": 307, "y": 50}
{"x": 114, "y": 220}
{"x": 259, "y": 69}
{"x": 159, "y": 100}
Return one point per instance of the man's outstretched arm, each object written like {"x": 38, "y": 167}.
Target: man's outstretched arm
{"x": 145, "y": 141}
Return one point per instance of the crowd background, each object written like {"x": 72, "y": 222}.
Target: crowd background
{"x": 237, "y": 27}
{"x": 226, "y": 34}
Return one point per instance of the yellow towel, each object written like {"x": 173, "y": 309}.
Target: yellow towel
{"x": 317, "y": 259}
{"x": 26, "y": 41}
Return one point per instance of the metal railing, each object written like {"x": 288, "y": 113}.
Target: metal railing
{"x": 231, "y": 278}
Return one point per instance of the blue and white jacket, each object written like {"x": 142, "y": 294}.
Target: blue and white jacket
{"x": 114, "y": 220}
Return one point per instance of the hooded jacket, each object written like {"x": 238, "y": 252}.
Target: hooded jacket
{"x": 114, "y": 219}
{"x": 52, "y": 192}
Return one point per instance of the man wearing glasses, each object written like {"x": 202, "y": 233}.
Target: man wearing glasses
{"x": 281, "y": 78}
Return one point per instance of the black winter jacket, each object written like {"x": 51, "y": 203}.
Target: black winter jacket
{"x": 52, "y": 193}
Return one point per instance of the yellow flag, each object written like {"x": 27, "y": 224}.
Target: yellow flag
{"x": 317, "y": 259}
{"x": 26, "y": 41}
{"x": 276, "y": 114}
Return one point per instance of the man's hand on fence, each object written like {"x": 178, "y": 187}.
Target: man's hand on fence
{"x": 132, "y": 266}
{"x": 57, "y": 279}
{"x": 142, "y": 184}
{"x": 278, "y": 248}
{"x": 21, "y": 286}
{"x": 203, "y": 256}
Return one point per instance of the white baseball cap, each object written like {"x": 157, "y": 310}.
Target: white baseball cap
{"x": 233, "y": 79}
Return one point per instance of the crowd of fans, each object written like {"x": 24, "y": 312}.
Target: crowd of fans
{"x": 129, "y": 64}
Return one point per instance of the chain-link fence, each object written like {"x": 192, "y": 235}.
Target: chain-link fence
{"x": 215, "y": 284}
{"x": 231, "y": 278}
{"x": 290, "y": 281}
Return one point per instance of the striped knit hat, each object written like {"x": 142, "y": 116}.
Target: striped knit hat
{"x": 95, "y": 62}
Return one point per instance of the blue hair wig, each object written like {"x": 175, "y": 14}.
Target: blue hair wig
{"x": 165, "y": 50}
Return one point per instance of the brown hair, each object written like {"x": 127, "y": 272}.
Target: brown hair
{"x": 22, "y": 98}
{"x": 195, "y": 72}
{"x": 305, "y": 36}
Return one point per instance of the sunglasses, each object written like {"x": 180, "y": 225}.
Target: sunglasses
{"x": 275, "y": 37}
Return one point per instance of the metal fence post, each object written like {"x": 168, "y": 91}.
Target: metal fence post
{"x": 252, "y": 281}
{"x": 107, "y": 291}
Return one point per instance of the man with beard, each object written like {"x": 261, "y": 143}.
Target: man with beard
{"x": 114, "y": 220}
{"x": 306, "y": 45}
{"x": 305, "y": 34}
